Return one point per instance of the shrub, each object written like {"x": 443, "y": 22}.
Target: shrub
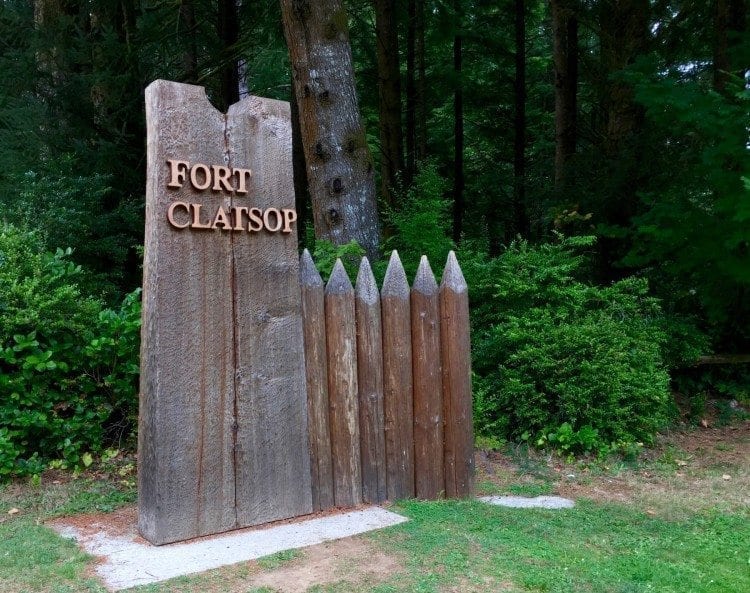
{"x": 421, "y": 225}
{"x": 559, "y": 360}
{"x": 67, "y": 366}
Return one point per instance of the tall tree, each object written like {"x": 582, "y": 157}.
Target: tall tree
{"x": 565, "y": 60}
{"x": 520, "y": 220}
{"x": 339, "y": 165}
{"x": 228, "y": 33}
{"x": 187, "y": 30}
{"x": 389, "y": 96}
{"x": 730, "y": 20}
{"x": 416, "y": 112}
{"x": 624, "y": 36}
{"x": 458, "y": 125}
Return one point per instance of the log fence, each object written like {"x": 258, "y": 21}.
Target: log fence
{"x": 389, "y": 384}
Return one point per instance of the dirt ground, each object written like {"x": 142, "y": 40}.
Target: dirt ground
{"x": 704, "y": 467}
{"x": 700, "y": 468}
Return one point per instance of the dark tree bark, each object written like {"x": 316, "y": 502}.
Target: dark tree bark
{"x": 416, "y": 124}
{"x": 301, "y": 191}
{"x": 411, "y": 91}
{"x": 187, "y": 32}
{"x": 389, "y": 96}
{"x": 421, "y": 97}
{"x": 565, "y": 59}
{"x": 339, "y": 166}
{"x": 730, "y": 19}
{"x": 228, "y": 32}
{"x": 624, "y": 36}
{"x": 624, "y": 26}
{"x": 458, "y": 129}
{"x": 520, "y": 219}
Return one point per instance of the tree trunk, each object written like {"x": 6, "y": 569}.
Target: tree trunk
{"x": 339, "y": 165}
{"x": 730, "y": 19}
{"x": 624, "y": 36}
{"x": 301, "y": 192}
{"x": 228, "y": 31}
{"x": 458, "y": 129}
{"x": 416, "y": 125}
{"x": 520, "y": 221}
{"x": 411, "y": 91}
{"x": 421, "y": 97}
{"x": 389, "y": 96}
{"x": 187, "y": 32}
{"x": 565, "y": 59}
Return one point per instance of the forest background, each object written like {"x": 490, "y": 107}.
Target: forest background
{"x": 588, "y": 160}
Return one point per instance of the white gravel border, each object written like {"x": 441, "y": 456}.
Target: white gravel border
{"x": 127, "y": 563}
{"x": 521, "y": 502}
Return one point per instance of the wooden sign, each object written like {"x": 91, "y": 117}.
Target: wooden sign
{"x": 223, "y": 428}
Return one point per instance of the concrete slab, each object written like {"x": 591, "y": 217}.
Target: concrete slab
{"x": 522, "y": 502}
{"x": 127, "y": 560}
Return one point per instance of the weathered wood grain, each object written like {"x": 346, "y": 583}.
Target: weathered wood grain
{"x": 316, "y": 373}
{"x": 339, "y": 165}
{"x": 370, "y": 385}
{"x": 456, "y": 358}
{"x": 186, "y": 470}
{"x": 429, "y": 476}
{"x": 397, "y": 381}
{"x": 223, "y": 423}
{"x": 272, "y": 455}
{"x": 342, "y": 388}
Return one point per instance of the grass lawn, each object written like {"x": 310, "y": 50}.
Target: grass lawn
{"x": 678, "y": 521}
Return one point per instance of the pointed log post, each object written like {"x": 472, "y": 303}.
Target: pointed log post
{"x": 397, "y": 382}
{"x": 429, "y": 476}
{"x": 342, "y": 388}
{"x": 456, "y": 358}
{"x": 316, "y": 375}
{"x": 370, "y": 385}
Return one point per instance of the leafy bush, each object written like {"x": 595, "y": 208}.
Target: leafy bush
{"x": 422, "y": 223}
{"x": 560, "y": 361}
{"x": 74, "y": 210}
{"x": 67, "y": 367}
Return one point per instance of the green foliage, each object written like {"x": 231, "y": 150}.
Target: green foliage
{"x": 693, "y": 233}
{"x": 421, "y": 224}
{"x": 325, "y": 254}
{"x": 67, "y": 208}
{"x": 67, "y": 367}
{"x": 560, "y": 361}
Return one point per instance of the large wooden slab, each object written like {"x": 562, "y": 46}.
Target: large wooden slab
{"x": 223, "y": 425}
{"x": 186, "y": 469}
{"x": 272, "y": 454}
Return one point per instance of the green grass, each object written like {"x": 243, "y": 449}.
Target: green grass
{"x": 447, "y": 546}
{"x": 592, "y": 548}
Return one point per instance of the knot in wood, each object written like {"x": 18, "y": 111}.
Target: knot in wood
{"x": 337, "y": 186}
{"x": 301, "y": 8}
{"x": 324, "y": 97}
{"x": 321, "y": 151}
{"x": 333, "y": 217}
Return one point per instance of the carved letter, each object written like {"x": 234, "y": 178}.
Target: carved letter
{"x": 242, "y": 176}
{"x": 255, "y": 217}
{"x": 238, "y": 210}
{"x": 177, "y": 171}
{"x": 278, "y": 219}
{"x": 194, "y": 176}
{"x": 290, "y": 216}
{"x": 170, "y": 214}
{"x": 197, "y": 224}
{"x": 221, "y": 218}
{"x": 221, "y": 178}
